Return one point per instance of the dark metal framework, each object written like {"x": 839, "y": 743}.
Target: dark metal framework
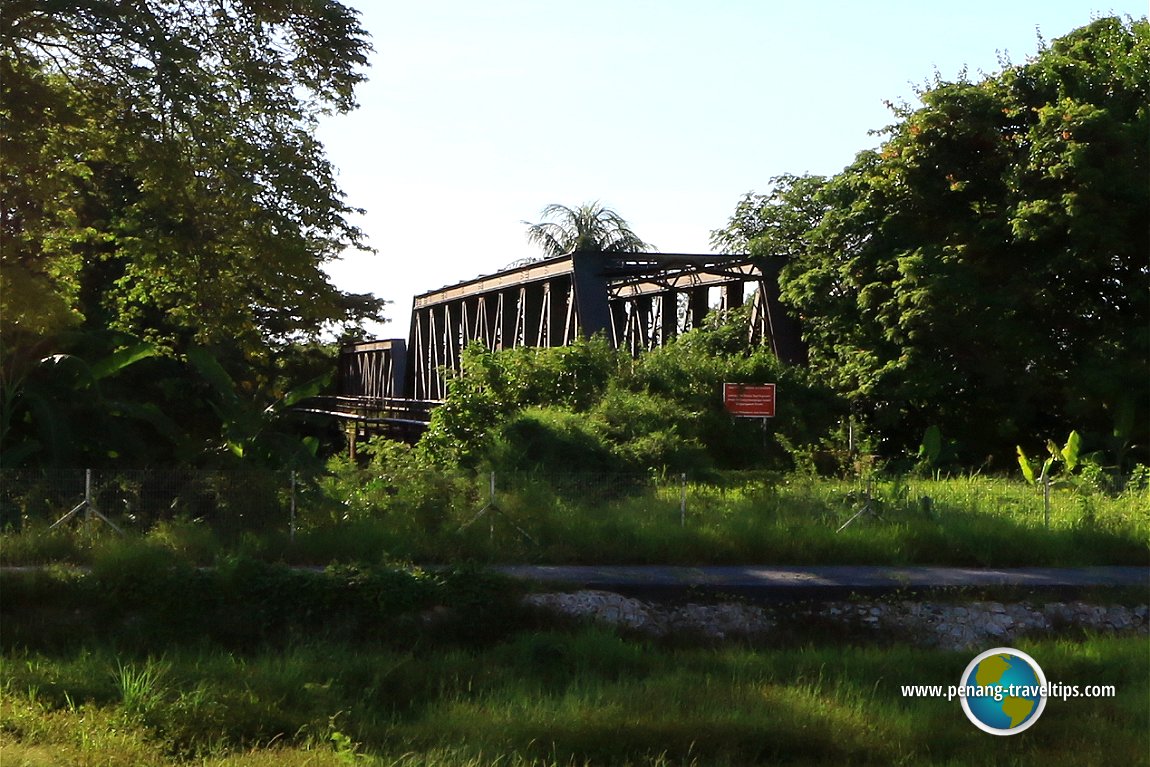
{"x": 637, "y": 301}
{"x": 373, "y": 369}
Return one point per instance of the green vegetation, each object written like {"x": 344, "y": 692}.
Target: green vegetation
{"x": 399, "y": 508}
{"x": 164, "y": 196}
{"x": 974, "y": 285}
{"x": 979, "y": 277}
{"x": 783, "y": 520}
{"x": 146, "y": 598}
{"x": 145, "y": 661}
{"x": 166, "y": 173}
{"x": 588, "y": 407}
{"x": 984, "y": 269}
{"x": 549, "y": 698}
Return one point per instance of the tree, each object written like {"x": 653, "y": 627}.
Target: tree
{"x": 588, "y": 228}
{"x": 161, "y": 174}
{"x": 775, "y": 224}
{"x": 161, "y": 184}
{"x": 985, "y": 269}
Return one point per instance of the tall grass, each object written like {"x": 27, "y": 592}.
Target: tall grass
{"x": 744, "y": 519}
{"x": 739, "y": 519}
{"x": 140, "y": 687}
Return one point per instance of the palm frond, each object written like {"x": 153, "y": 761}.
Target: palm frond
{"x": 590, "y": 227}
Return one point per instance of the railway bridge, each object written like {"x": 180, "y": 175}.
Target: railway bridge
{"x": 637, "y": 301}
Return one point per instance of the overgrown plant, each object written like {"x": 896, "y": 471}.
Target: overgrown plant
{"x": 935, "y": 452}
{"x": 849, "y": 450}
{"x": 1067, "y": 456}
{"x": 398, "y": 481}
{"x": 140, "y": 687}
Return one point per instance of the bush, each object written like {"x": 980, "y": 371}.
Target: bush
{"x": 398, "y": 482}
{"x": 588, "y": 408}
{"x": 646, "y": 431}
{"x": 551, "y": 438}
{"x": 492, "y": 386}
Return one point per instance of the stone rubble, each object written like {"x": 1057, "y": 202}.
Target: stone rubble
{"x": 947, "y": 625}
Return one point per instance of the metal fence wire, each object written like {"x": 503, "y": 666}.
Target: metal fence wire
{"x": 231, "y": 501}
{"x": 234, "y": 501}
{"x": 138, "y": 499}
{"x": 584, "y": 488}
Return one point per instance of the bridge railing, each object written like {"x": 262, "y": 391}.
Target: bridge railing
{"x": 372, "y": 410}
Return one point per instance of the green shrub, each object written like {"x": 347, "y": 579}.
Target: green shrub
{"x": 550, "y": 439}
{"x": 649, "y": 432}
{"x": 398, "y": 482}
{"x": 192, "y": 541}
{"x": 492, "y": 386}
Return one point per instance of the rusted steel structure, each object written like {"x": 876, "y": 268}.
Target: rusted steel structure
{"x": 362, "y": 416}
{"x": 373, "y": 369}
{"x": 637, "y": 301}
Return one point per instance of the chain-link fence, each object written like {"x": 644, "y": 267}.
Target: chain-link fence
{"x": 254, "y": 500}
{"x": 228, "y": 501}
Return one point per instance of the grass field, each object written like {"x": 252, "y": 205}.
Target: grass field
{"x": 146, "y": 660}
{"x": 759, "y": 519}
{"x": 551, "y": 698}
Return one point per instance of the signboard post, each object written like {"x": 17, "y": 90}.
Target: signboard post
{"x": 749, "y": 400}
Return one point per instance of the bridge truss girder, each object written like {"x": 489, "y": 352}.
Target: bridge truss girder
{"x": 373, "y": 369}
{"x": 637, "y": 301}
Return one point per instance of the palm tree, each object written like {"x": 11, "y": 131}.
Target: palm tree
{"x": 589, "y": 228}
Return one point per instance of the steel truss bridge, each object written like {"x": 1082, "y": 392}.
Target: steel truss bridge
{"x": 637, "y": 301}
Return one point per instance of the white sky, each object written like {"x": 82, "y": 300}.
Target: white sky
{"x": 478, "y": 114}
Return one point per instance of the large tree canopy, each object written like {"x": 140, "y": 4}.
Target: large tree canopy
{"x": 160, "y": 171}
{"x": 165, "y": 214}
{"x": 985, "y": 270}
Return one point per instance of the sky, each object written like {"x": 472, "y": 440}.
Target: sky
{"x": 476, "y": 115}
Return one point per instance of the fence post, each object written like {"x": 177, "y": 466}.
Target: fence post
{"x": 291, "y": 532}
{"x": 1046, "y": 500}
{"x": 491, "y": 520}
{"x": 89, "y": 507}
{"x": 88, "y": 497}
{"x": 683, "y": 500}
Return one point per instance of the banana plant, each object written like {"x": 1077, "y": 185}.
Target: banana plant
{"x": 1067, "y": 455}
{"x": 252, "y": 432}
{"x": 45, "y": 404}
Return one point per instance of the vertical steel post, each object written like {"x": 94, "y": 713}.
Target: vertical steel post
{"x": 1046, "y": 500}
{"x": 291, "y": 533}
{"x": 491, "y": 519}
{"x": 683, "y": 500}
{"x": 88, "y": 496}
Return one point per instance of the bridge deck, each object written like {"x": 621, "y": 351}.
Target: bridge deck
{"x": 404, "y": 419}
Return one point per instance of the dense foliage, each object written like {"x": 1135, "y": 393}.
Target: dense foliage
{"x": 163, "y": 191}
{"x": 588, "y": 407}
{"x": 985, "y": 269}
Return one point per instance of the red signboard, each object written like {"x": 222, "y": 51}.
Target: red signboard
{"x": 749, "y": 400}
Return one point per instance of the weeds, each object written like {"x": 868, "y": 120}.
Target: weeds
{"x": 140, "y": 687}
{"x": 556, "y": 699}
{"x": 744, "y": 518}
